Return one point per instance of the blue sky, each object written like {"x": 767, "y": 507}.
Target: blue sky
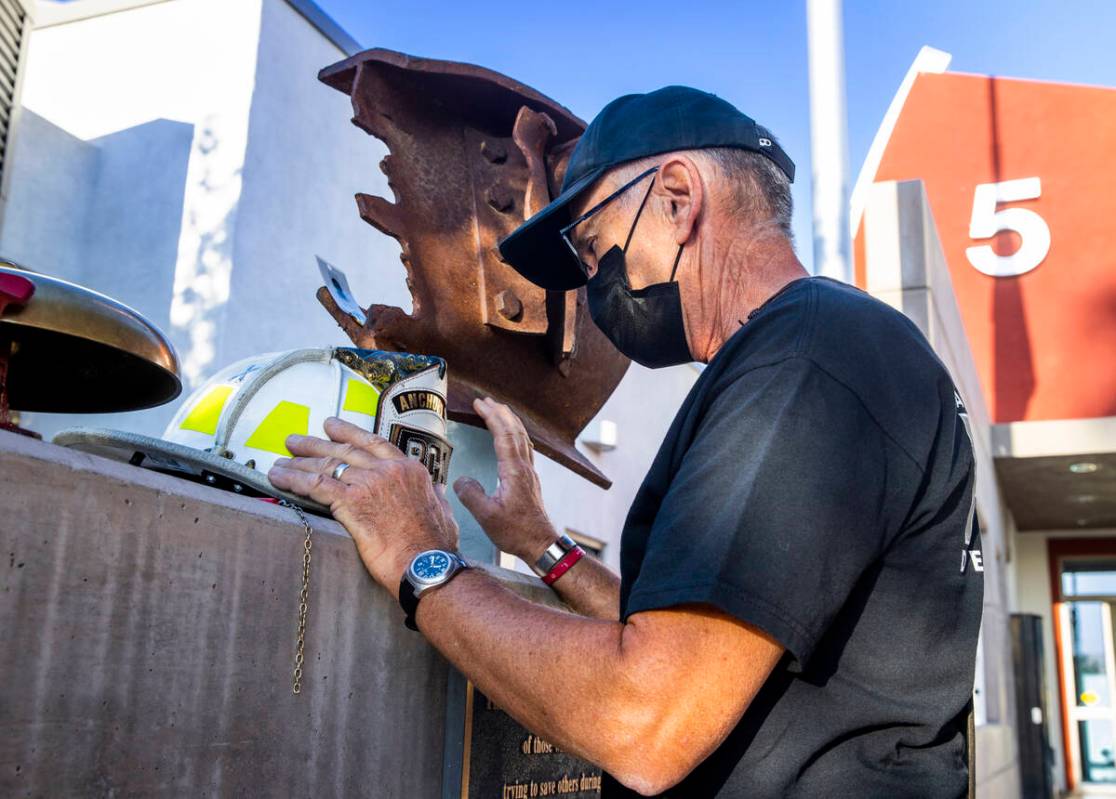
{"x": 584, "y": 54}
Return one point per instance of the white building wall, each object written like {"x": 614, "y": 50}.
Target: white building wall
{"x": 304, "y": 163}
{"x": 45, "y": 165}
{"x": 643, "y": 406}
{"x": 182, "y": 157}
{"x": 160, "y": 96}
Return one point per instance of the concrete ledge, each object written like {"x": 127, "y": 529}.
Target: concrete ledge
{"x": 1054, "y": 438}
{"x": 149, "y": 643}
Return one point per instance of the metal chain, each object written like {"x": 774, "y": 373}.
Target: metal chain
{"x": 303, "y": 597}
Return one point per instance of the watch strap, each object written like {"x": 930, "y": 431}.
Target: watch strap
{"x": 409, "y": 602}
{"x": 563, "y": 566}
{"x": 553, "y": 554}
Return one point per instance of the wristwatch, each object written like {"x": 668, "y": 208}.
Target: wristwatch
{"x": 428, "y": 570}
{"x": 554, "y": 553}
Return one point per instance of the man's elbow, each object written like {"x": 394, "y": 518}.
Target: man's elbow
{"x": 653, "y": 773}
{"x": 648, "y": 760}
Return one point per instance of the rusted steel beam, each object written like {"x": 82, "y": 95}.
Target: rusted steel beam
{"x": 472, "y": 154}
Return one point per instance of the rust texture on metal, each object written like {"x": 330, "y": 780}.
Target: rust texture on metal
{"x": 472, "y": 153}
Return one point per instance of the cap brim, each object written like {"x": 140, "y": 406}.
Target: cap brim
{"x": 535, "y": 249}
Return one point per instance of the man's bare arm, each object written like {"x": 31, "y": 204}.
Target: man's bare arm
{"x": 514, "y": 518}
{"x": 647, "y": 701}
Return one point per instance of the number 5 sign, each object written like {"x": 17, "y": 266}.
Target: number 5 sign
{"x": 987, "y": 221}
{"x": 1040, "y": 321}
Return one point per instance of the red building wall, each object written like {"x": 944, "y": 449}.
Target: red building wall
{"x": 1044, "y": 340}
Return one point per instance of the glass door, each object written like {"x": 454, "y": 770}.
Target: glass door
{"x": 1089, "y": 657}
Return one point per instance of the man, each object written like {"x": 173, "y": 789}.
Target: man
{"x": 791, "y": 618}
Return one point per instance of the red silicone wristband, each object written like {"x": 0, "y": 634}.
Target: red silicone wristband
{"x": 563, "y": 566}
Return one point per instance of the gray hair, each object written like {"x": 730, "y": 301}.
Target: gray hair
{"x": 760, "y": 191}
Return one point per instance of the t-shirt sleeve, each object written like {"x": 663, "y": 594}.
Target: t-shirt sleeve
{"x": 776, "y": 510}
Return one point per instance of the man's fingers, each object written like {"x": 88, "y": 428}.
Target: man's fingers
{"x": 472, "y": 496}
{"x": 468, "y": 490}
{"x": 498, "y": 415}
{"x": 312, "y": 447}
{"x": 317, "y": 486}
{"x": 511, "y": 446}
{"x": 348, "y": 433}
{"x": 509, "y": 437}
{"x": 323, "y": 465}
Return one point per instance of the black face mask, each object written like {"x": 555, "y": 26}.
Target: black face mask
{"x": 645, "y": 324}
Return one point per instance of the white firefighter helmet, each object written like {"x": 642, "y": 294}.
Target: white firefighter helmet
{"x": 230, "y": 431}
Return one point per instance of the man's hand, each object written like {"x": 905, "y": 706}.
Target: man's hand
{"x": 385, "y": 500}
{"x": 513, "y": 517}
{"x": 515, "y": 520}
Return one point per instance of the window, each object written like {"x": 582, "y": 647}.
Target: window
{"x": 1082, "y": 578}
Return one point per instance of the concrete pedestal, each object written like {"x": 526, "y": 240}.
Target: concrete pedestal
{"x": 149, "y": 641}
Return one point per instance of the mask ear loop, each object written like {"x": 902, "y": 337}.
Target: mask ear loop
{"x": 643, "y": 202}
{"x": 631, "y": 231}
{"x": 677, "y": 258}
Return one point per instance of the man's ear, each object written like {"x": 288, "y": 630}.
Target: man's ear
{"x": 680, "y": 181}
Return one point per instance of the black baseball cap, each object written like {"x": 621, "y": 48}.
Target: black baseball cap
{"x": 629, "y": 128}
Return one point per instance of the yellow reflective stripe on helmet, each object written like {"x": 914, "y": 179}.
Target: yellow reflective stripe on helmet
{"x": 204, "y": 416}
{"x": 284, "y": 419}
{"x": 360, "y": 397}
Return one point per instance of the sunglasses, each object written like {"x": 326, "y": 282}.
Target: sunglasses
{"x": 565, "y": 231}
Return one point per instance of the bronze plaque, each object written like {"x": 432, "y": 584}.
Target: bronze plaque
{"x": 502, "y": 760}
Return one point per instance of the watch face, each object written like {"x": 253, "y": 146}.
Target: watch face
{"x": 430, "y": 565}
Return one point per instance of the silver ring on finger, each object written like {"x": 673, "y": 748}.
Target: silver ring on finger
{"x": 339, "y": 470}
